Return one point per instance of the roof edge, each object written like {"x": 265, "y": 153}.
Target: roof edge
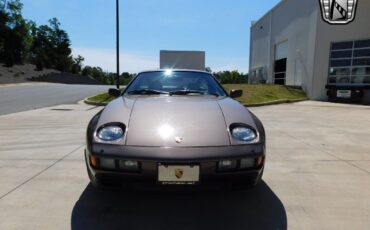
{"x": 183, "y": 51}
{"x": 268, "y": 12}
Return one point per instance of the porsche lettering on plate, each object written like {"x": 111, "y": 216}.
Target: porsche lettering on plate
{"x": 178, "y": 174}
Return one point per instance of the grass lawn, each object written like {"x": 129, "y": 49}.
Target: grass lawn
{"x": 253, "y": 94}
{"x": 101, "y": 98}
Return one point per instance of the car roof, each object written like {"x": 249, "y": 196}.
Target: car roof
{"x": 175, "y": 70}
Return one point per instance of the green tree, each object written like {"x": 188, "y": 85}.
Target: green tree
{"x": 61, "y": 50}
{"x": 77, "y": 64}
{"x": 15, "y": 34}
{"x": 3, "y": 31}
{"x": 46, "y": 46}
{"x": 51, "y": 47}
{"x": 41, "y": 49}
{"x": 87, "y": 71}
{"x": 125, "y": 78}
{"x": 231, "y": 77}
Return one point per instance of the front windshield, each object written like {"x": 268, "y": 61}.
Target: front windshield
{"x": 175, "y": 82}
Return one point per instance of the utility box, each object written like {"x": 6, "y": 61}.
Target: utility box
{"x": 170, "y": 59}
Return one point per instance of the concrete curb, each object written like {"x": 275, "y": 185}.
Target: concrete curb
{"x": 3, "y": 85}
{"x": 87, "y": 101}
{"x": 276, "y": 102}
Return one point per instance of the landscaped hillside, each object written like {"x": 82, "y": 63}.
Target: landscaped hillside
{"x": 28, "y": 72}
{"x": 28, "y": 50}
{"x": 21, "y": 73}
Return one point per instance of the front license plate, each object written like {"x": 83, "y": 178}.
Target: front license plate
{"x": 344, "y": 93}
{"x": 178, "y": 174}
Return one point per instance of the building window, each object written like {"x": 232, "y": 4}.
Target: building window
{"x": 350, "y": 62}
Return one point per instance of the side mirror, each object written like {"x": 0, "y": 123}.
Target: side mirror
{"x": 114, "y": 92}
{"x": 235, "y": 93}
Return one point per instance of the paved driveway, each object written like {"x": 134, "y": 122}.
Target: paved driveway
{"x": 319, "y": 163}
{"x": 317, "y": 176}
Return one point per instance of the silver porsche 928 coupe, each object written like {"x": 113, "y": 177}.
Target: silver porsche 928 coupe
{"x": 175, "y": 128}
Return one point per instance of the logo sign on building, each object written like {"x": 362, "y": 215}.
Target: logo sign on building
{"x": 338, "y": 12}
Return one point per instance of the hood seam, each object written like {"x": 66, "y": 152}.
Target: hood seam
{"x": 227, "y": 128}
{"x": 129, "y": 119}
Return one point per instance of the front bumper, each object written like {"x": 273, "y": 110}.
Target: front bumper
{"x": 150, "y": 157}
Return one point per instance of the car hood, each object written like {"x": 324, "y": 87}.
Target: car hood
{"x": 176, "y": 121}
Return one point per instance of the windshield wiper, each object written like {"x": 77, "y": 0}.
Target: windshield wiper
{"x": 187, "y": 91}
{"x": 147, "y": 91}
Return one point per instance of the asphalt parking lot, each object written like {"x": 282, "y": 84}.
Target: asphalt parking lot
{"x": 317, "y": 176}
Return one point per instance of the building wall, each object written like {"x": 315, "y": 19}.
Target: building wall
{"x": 309, "y": 38}
{"x": 182, "y": 59}
{"x": 260, "y": 44}
{"x": 293, "y": 21}
{"x": 359, "y": 29}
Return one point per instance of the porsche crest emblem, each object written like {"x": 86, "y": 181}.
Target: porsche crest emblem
{"x": 179, "y": 173}
{"x": 178, "y": 140}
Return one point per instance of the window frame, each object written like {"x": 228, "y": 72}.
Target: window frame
{"x": 226, "y": 94}
{"x": 350, "y": 65}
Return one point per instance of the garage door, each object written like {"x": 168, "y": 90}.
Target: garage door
{"x": 350, "y": 63}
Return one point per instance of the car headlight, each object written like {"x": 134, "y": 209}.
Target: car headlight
{"x": 110, "y": 133}
{"x": 243, "y": 134}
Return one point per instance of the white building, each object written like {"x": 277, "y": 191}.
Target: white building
{"x": 173, "y": 59}
{"x": 292, "y": 45}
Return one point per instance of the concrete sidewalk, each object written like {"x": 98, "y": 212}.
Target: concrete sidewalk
{"x": 319, "y": 163}
{"x": 317, "y": 176}
{"x": 41, "y": 166}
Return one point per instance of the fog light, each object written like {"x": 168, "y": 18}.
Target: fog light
{"x": 227, "y": 165}
{"x": 247, "y": 163}
{"x": 107, "y": 163}
{"x": 129, "y": 165}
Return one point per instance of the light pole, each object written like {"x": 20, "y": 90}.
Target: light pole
{"x": 117, "y": 42}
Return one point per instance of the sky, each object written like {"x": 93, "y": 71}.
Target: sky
{"x": 221, "y": 28}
